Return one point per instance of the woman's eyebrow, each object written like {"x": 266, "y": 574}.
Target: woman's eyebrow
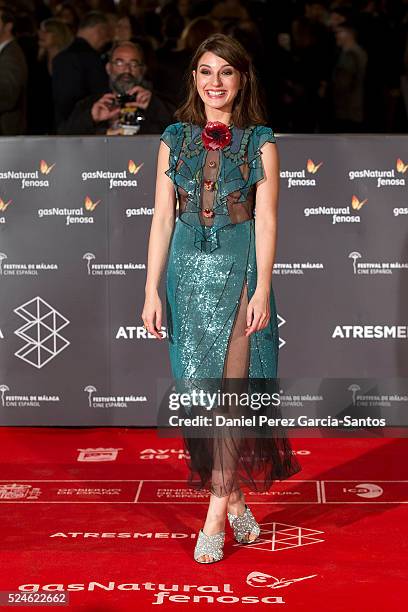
{"x": 208, "y": 66}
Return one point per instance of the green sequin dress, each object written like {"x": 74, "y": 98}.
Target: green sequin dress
{"x": 211, "y": 276}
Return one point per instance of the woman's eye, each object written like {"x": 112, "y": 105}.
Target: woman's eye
{"x": 227, "y": 72}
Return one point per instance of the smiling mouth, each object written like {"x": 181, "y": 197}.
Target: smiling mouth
{"x": 213, "y": 93}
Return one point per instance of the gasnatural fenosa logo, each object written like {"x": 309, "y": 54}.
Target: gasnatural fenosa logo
{"x": 72, "y": 215}
{"x": 339, "y": 214}
{"x": 121, "y": 178}
{"x": 35, "y": 178}
{"x": 385, "y": 178}
{"x": 299, "y": 178}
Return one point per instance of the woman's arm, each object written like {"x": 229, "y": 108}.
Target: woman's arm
{"x": 160, "y": 234}
{"x": 266, "y": 222}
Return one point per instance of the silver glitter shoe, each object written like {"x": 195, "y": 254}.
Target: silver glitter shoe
{"x": 209, "y": 545}
{"x": 243, "y": 525}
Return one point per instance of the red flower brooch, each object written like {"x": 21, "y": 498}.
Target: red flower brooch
{"x": 216, "y": 135}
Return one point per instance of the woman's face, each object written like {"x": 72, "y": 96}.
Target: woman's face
{"x": 217, "y": 81}
{"x": 123, "y": 30}
{"x": 46, "y": 40}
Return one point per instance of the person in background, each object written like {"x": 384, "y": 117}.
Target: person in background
{"x": 79, "y": 71}
{"x": 68, "y": 13}
{"x": 53, "y": 36}
{"x": 348, "y": 79}
{"x": 101, "y": 114}
{"x": 170, "y": 76}
{"x": 144, "y": 17}
{"x": 126, "y": 28}
{"x": 13, "y": 77}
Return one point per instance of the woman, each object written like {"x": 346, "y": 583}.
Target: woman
{"x": 53, "y": 36}
{"x": 221, "y": 313}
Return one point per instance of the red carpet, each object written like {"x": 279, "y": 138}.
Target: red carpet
{"x": 119, "y": 523}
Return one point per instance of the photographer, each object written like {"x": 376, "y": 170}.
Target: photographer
{"x": 129, "y": 107}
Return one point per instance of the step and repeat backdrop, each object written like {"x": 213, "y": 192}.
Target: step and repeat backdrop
{"x": 75, "y": 216}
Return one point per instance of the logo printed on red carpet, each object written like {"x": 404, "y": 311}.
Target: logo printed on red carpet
{"x": 259, "y": 579}
{"x": 280, "y": 536}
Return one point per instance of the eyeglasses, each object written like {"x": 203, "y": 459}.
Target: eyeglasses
{"x": 119, "y": 63}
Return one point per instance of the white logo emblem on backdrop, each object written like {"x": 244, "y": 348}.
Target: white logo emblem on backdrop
{"x": 354, "y": 255}
{"x": 280, "y": 536}
{"x": 41, "y": 332}
{"x": 109, "y": 269}
{"x": 369, "y": 268}
{"x": 2, "y": 256}
{"x": 98, "y": 454}
{"x": 111, "y": 401}
{"x": 3, "y": 389}
{"x": 90, "y": 389}
{"x": 354, "y": 388}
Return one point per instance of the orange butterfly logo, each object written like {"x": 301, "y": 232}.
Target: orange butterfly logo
{"x": 133, "y": 169}
{"x": 401, "y": 167}
{"x": 89, "y": 205}
{"x": 3, "y": 204}
{"x": 312, "y": 167}
{"x": 356, "y": 204}
{"x": 45, "y": 168}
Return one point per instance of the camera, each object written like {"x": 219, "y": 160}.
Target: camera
{"x": 125, "y": 98}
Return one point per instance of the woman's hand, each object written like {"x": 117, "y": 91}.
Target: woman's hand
{"x": 152, "y": 314}
{"x": 258, "y": 311}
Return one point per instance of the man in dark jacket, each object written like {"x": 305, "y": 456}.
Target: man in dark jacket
{"x": 13, "y": 78}
{"x": 104, "y": 114}
{"x": 78, "y": 71}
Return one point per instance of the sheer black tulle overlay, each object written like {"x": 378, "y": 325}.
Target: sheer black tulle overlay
{"x": 225, "y": 458}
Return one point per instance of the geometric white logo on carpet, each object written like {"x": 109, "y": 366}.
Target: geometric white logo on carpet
{"x": 41, "y": 332}
{"x": 280, "y": 536}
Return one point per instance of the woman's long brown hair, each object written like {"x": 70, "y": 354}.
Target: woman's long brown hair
{"x": 248, "y": 108}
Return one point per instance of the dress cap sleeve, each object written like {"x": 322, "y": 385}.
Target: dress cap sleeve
{"x": 169, "y": 135}
{"x": 265, "y": 134}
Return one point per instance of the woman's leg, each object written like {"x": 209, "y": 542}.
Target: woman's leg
{"x": 226, "y": 447}
{"x": 237, "y": 368}
{"x": 215, "y": 521}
